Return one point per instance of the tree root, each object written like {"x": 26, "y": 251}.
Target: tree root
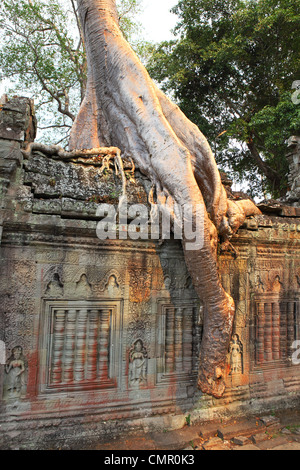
{"x": 176, "y": 157}
{"x": 229, "y": 248}
{"x": 58, "y": 153}
{"x": 57, "y": 150}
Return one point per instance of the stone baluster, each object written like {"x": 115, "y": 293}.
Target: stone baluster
{"x": 169, "y": 352}
{"x": 260, "y": 332}
{"x": 58, "y": 346}
{"x": 68, "y": 374}
{"x": 79, "y": 363}
{"x": 268, "y": 331}
{"x": 276, "y": 330}
{"x": 178, "y": 340}
{"x": 104, "y": 342}
{"x": 283, "y": 330}
{"x": 92, "y": 345}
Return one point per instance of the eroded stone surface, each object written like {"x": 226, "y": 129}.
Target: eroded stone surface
{"x": 17, "y": 119}
{"x": 110, "y": 329}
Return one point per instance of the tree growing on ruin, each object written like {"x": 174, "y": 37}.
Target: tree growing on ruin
{"x": 42, "y": 55}
{"x": 231, "y": 70}
{"x": 124, "y": 108}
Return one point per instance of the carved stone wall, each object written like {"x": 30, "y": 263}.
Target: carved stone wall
{"x": 103, "y": 336}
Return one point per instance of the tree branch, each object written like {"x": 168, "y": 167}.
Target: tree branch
{"x": 59, "y": 126}
{"x": 269, "y": 172}
{"x": 61, "y": 109}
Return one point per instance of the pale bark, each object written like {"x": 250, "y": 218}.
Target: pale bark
{"x": 173, "y": 153}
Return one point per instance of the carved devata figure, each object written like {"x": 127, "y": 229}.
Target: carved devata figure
{"x": 112, "y": 286}
{"x": 138, "y": 358}
{"x": 15, "y": 368}
{"x": 236, "y": 355}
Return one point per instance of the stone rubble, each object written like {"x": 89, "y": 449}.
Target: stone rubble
{"x": 266, "y": 432}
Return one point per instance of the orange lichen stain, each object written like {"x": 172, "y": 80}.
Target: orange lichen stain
{"x": 31, "y": 384}
{"x": 244, "y": 379}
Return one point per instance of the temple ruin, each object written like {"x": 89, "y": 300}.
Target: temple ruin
{"x": 102, "y": 337}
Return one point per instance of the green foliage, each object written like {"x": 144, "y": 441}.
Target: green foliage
{"x": 231, "y": 71}
{"x": 188, "y": 420}
{"x": 42, "y": 56}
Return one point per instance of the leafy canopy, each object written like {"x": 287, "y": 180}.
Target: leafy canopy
{"x": 231, "y": 72}
{"x": 42, "y": 56}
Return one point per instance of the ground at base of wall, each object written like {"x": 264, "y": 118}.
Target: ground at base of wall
{"x": 275, "y": 431}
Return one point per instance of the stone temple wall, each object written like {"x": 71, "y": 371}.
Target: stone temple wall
{"x": 105, "y": 334}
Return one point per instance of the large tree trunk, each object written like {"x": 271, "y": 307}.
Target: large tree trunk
{"x": 128, "y": 111}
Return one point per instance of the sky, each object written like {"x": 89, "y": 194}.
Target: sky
{"x": 157, "y": 19}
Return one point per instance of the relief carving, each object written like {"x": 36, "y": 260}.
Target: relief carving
{"x": 260, "y": 287}
{"x": 83, "y": 287}
{"x": 83, "y": 349}
{"x": 80, "y": 343}
{"x": 111, "y": 283}
{"x": 138, "y": 358}
{"x": 179, "y": 328}
{"x": 167, "y": 282}
{"x": 236, "y": 355}
{"x": 55, "y": 287}
{"x": 139, "y": 325}
{"x": 140, "y": 285}
{"x": 112, "y": 286}
{"x": 277, "y": 285}
{"x": 276, "y": 327}
{"x": 15, "y": 374}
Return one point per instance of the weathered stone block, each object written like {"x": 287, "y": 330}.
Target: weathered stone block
{"x": 109, "y": 331}
{"x": 215, "y": 444}
{"x": 239, "y": 429}
{"x": 240, "y": 440}
{"x": 17, "y": 120}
